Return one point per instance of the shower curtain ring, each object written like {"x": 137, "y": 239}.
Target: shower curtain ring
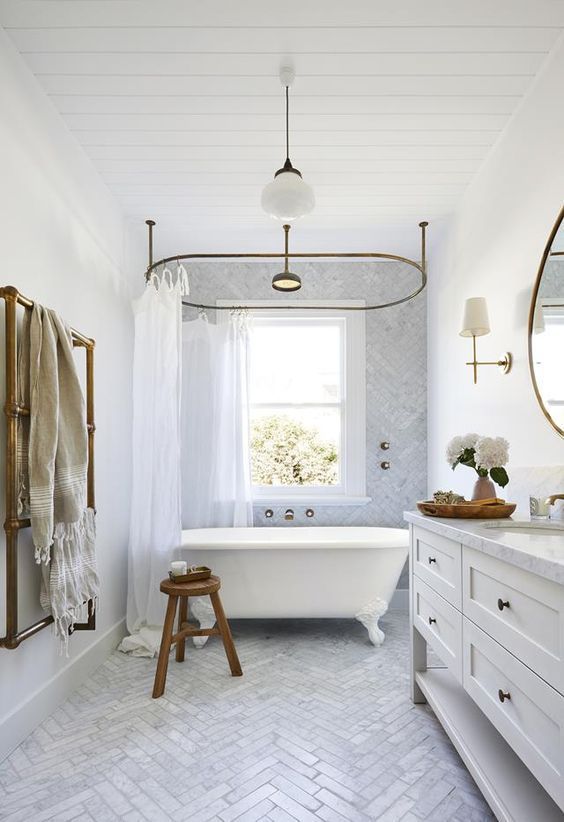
{"x": 182, "y": 277}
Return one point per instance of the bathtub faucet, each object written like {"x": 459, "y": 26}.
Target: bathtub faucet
{"x": 289, "y": 515}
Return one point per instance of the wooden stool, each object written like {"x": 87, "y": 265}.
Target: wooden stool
{"x": 184, "y": 590}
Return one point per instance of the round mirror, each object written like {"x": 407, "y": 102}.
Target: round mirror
{"x": 546, "y": 329}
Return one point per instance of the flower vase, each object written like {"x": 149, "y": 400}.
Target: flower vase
{"x": 483, "y": 489}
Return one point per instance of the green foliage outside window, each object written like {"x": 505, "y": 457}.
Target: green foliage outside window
{"x": 286, "y": 452}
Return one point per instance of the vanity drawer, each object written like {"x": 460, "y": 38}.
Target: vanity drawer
{"x": 525, "y": 710}
{"x": 437, "y": 561}
{"x": 522, "y": 611}
{"x": 440, "y": 624}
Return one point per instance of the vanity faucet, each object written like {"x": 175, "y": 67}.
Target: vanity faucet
{"x": 553, "y": 497}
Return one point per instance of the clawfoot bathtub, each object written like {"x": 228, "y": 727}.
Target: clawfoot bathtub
{"x": 300, "y": 572}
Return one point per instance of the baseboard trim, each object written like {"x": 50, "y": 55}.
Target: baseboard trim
{"x": 36, "y": 708}
{"x": 400, "y": 600}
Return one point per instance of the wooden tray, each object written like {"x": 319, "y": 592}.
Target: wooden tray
{"x": 467, "y": 510}
{"x": 200, "y": 572}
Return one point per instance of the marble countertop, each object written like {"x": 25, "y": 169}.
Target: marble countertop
{"x": 541, "y": 554}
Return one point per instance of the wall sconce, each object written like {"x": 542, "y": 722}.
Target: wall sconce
{"x": 476, "y": 323}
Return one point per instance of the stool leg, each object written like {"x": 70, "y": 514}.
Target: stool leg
{"x": 225, "y": 631}
{"x": 182, "y": 617}
{"x": 166, "y": 641}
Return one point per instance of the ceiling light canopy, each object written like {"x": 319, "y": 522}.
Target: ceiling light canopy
{"x": 288, "y": 196}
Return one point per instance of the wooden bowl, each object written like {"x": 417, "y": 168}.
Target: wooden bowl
{"x": 466, "y": 510}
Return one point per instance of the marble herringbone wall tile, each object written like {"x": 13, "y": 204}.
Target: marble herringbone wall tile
{"x": 396, "y": 379}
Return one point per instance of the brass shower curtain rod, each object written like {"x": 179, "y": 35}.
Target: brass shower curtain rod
{"x": 285, "y": 255}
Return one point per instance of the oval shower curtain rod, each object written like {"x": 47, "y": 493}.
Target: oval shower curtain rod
{"x": 286, "y": 255}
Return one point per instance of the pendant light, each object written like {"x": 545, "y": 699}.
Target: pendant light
{"x": 287, "y": 197}
{"x": 286, "y": 281}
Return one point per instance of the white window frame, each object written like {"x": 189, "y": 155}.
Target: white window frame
{"x": 352, "y": 489}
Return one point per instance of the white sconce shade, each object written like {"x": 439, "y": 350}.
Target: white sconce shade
{"x": 475, "y": 322}
{"x": 539, "y": 326}
{"x": 288, "y": 197}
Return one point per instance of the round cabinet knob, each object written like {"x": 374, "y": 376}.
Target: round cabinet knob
{"x": 432, "y": 620}
{"x": 269, "y": 513}
{"x": 384, "y": 445}
{"x": 310, "y": 513}
{"x": 503, "y": 695}
{"x": 501, "y": 604}
{"x": 430, "y": 560}
{"x": 385, "y": 465}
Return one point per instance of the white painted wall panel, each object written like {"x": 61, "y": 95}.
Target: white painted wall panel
{"x": 493, "y": 250}
{"x": 63, "y": 245}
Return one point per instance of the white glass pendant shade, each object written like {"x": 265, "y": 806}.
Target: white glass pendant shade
{"x": 287, "y": 197}
{"x": 475, "y": 322}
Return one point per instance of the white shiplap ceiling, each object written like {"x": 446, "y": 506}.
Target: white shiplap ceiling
{"x": 394, "y": 108}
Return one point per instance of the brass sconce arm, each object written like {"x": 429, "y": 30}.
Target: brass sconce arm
{"x": 505, "y": 363}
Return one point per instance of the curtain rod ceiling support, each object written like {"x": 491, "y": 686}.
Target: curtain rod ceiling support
{"x": 150, "y": 223}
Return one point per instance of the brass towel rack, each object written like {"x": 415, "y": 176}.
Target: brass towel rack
{"x": 13, "y": 524}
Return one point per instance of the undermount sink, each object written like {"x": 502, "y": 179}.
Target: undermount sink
{"x": 545, "y": 529}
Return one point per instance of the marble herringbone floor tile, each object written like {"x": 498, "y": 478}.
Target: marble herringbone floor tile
{"x": 320, "y": 727}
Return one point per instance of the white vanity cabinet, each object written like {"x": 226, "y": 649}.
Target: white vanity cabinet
{"x": 497, "y": 629}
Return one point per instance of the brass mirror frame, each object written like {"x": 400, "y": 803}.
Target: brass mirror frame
{"x": 545, "y": 256}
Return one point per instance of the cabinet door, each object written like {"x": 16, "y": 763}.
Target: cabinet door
{"x": 525, "y": 710}
{"x": 437, "y": 561}
{"x": 522, "y": 611}
{"x": 440, "y": 624}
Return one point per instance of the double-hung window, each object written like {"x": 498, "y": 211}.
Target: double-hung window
{"x": 307, "y": 405}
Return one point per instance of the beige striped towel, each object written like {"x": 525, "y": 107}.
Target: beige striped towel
{"x": 53, "y": 462}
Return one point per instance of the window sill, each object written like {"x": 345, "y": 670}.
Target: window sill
{"x": 319, "y": 501}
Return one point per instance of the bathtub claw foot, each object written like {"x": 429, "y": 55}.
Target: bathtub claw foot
{"x": 203, "y": 613}
{"x": 369, "y": 615}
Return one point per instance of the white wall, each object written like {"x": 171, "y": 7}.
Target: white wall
{"x": 62, "y": 244}
{"x": 493, "y": 248}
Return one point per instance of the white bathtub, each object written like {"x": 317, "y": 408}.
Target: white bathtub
{"x": 300, "y": 572}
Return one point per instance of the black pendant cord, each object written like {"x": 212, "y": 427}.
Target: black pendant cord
{"x": 287, "y": 125}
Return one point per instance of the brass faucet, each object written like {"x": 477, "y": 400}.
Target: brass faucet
{"x": 552, "y": 498}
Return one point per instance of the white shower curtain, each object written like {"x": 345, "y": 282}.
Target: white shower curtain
{"x": 216, "y": 476}
{"x": 195, "y": 416}
{"x": 155, "y": 524}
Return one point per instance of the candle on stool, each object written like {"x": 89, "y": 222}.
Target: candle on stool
{"x": 178, "y": 568}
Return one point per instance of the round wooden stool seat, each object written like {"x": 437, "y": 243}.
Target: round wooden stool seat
{"x": 200, "y": 588}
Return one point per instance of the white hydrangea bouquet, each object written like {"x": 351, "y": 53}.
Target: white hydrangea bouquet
{"x": 486, "y": 455}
